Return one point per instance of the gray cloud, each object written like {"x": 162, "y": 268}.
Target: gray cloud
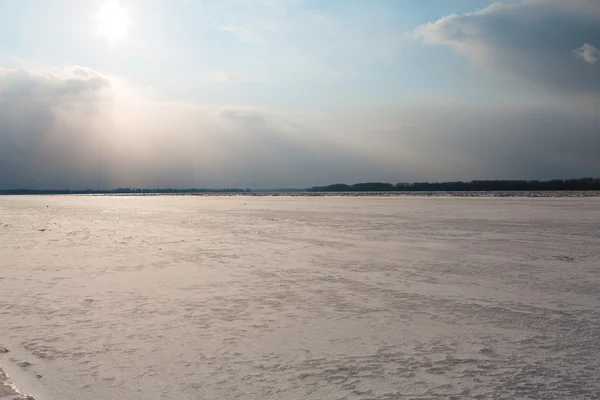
{"x": 76, "y": 128}
{"x": 541, "y": 41}
{"x": 35, "y": 108}
{"x": 72, "y": 128}
{"x": 465, "y": 141}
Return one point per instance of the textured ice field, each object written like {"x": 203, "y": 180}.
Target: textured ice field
{"x": 300, "y": 297}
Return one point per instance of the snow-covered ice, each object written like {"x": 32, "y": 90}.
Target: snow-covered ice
{"x": 164, "y": 297}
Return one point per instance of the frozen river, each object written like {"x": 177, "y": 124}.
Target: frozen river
{"x": 190, "y": 298}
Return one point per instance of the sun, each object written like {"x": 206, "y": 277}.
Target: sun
{"x": 112, "y": 21}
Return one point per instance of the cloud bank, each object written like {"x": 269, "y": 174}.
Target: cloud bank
{"x": 550, "y": 43}
{"x": 77, "y": 128}
{"x": 50, "y": 127}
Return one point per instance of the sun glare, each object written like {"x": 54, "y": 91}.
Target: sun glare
{"x": 112, "y": 21}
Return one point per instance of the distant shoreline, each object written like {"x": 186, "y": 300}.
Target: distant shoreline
{"x": 456, "y": 194}
{"x": 555, "y": 185}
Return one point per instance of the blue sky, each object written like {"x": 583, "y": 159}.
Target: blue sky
{"x": 349, "y": 47}
{"x": 337, "y": 81}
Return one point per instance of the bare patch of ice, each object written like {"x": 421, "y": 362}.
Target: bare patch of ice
{"x": 9, "y": 391}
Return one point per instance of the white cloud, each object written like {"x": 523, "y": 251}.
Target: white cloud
{"x": 588, "y": 53}
{"x": 225, "y": 77}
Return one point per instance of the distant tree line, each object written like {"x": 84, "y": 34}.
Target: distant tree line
{"x": 123, "y": 191}
{"x": 497, "y": 185}
{"x": 581, "y": 184}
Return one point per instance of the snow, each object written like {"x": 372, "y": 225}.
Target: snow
{"x": 250, "y": 297}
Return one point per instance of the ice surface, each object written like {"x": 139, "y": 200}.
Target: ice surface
{"x": 162, "y": 297}
{"x": 8, "y": 390}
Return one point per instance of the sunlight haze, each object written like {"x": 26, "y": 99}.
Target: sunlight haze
{"x": 295, "y": 93}
{"x": 299, "y": 199}
{"x": 112, "y": 21}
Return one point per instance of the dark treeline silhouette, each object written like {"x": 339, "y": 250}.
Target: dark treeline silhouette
{"x": 473, "y": 186}
{"x": 490, "y": 186}
{"x": 122, "y": 191}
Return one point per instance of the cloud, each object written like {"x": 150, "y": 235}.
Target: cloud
{"x": 508, "y": 141}
{"x": 50, "y": 126}
{"x": 77, "y": 128}
{"x": 70, "y": 82}
{"x": 224, "y": 76}
{"x": 588, "y": 53}
{"x": 531, "y": 40}
{"x": 243, "y": 34}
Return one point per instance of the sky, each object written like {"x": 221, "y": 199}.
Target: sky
{"x": 296, "y": 93}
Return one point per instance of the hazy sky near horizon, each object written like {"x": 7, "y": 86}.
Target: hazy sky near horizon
{"x": 295, "y": 93}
